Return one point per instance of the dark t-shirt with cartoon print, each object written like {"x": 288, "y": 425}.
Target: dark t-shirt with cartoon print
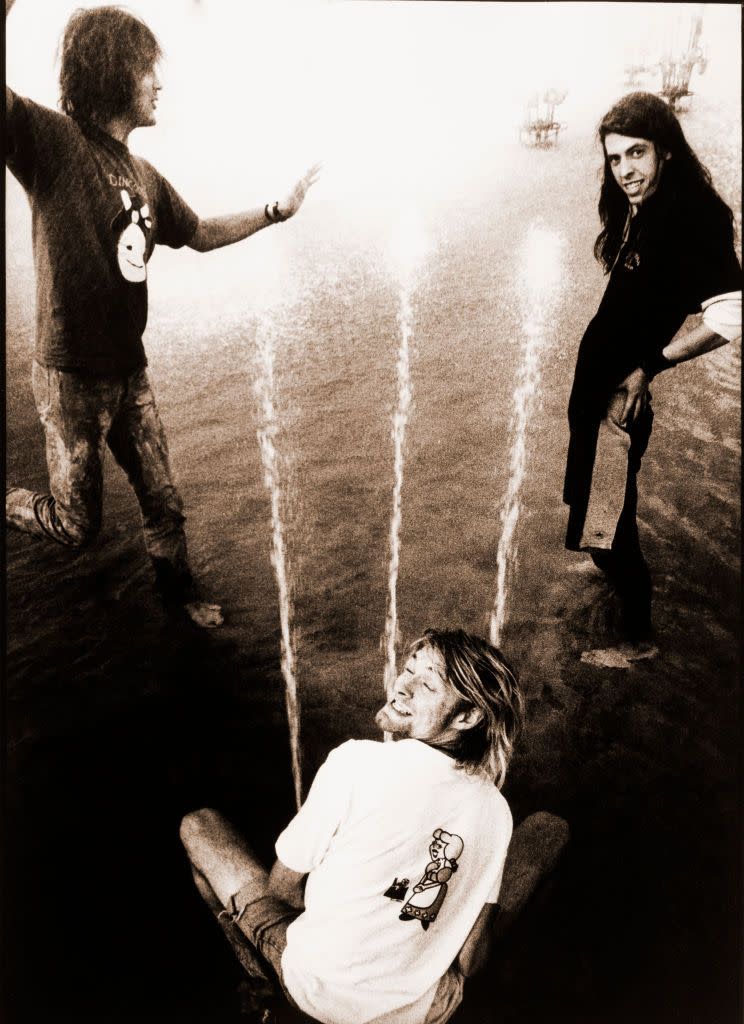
{"x": 98, "y": 212}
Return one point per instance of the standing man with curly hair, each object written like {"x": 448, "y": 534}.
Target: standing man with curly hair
{"x": 667, "y": 244}
{"x": 98, "y": 211}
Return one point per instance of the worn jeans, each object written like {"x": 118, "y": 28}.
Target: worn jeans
{"x": 611, "y": 528}
{"x": 253, "y": 914}
{"x": 81, "y": 414}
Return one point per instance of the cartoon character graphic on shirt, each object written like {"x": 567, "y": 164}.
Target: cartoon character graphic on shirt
{"x": 132, "y": 225}
{"x": 427, "y": 896}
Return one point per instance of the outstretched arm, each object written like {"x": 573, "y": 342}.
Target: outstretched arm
{"x": 8, "y": 94}
{"x": 216, "y": 232}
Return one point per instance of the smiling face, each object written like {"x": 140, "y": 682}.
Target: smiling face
{"x": 130, "y": 252}
{"x": 436, "y": 849}
{"x": 635, "y": 164}
{"x": 145, "y": 99}
{"x": 422, "y": 704}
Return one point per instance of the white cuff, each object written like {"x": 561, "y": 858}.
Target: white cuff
{"x": 722, "y": 314}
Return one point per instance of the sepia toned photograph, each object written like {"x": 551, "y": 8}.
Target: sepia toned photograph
{"x": 372, "y": 551}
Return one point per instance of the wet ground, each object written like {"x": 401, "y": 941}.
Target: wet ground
{"x": 118, "y": 719}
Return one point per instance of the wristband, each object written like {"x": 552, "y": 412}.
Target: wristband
{"x": 273, "y": 214}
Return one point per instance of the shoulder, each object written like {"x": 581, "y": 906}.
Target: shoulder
{"x": 494, "y": 805}
{"x": 702, "y": 219}
{"x": 22, "y": 107}
{"x": 147, "y": 171}
{"x": 353, "y": 752}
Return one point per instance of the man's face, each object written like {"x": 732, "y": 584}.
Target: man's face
{"x": 422, "y": 702}
{"x": 635, "y": 164}
{"x": 145, "y": 99}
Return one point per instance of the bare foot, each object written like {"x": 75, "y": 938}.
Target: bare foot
{"x": 619, "y": 656}
{"x": 207, "y": 616}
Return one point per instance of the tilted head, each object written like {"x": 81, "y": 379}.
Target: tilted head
{"x": 642, "y": 115}
{"x": 645, "y": 152}
{"x": 457, "y": 692}
{"x": 446, "y": 844}
{"x": 105, "y": 54}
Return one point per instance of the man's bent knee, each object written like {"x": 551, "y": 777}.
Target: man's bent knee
{"x": 220, "y": 853}
{"x": 40, "y": 513}
{"x": 206, "y": 823}
{"x": 75, "y": 534}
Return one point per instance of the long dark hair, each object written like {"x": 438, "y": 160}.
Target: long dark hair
{"x": 482, "y": 678}
{"x": 103, "y": 54}
{"x": 642, "y": 115}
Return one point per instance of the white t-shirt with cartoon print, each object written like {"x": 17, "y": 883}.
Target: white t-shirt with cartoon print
{"x": 402, "y": 850}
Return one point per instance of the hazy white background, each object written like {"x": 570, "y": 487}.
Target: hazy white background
{"x": 389, "y": 95}
{"x": 407, "y": 104}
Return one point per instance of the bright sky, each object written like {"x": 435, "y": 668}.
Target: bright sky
{"x": 390, "y": 96}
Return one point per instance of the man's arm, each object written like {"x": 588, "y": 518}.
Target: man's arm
{"x": 216, "y": 232}
{"x": 696, "y": 342}
{"x": 477, "y": 946}
{"x": 287, "y": 885}
{"x": 693, "y": 343}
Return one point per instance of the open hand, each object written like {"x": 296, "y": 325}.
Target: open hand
{"x": 289, "y": 206}
{"x": 634, "y": 393}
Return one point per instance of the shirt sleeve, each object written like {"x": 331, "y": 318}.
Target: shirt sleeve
{"x": 175, "y": 221}
{"x": 722, "y": 314}
{"x": 304, "y": 842}
{"x": 36, "y": 141}
{"x": 711, "y": 263}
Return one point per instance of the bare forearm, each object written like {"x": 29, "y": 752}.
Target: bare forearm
{"x": 287, "y": 886}
{"x": 695, "y": 342}
{"x": 216, "y": 232}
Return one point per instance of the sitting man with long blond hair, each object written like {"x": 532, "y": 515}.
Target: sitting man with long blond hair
{"x": 378, "y": 904}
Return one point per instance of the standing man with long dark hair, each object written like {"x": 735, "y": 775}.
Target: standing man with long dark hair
{"x": 667, "y": 244}
{"x": 98, "y": 212}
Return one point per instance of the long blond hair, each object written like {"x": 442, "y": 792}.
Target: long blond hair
{"x": 483, "y": 678}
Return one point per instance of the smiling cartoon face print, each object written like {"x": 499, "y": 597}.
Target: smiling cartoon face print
{"x": 132, "y": 225}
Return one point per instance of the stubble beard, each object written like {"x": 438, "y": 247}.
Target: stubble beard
{"x": 388, "y": 724}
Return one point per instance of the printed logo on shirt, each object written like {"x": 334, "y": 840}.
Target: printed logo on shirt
{"x": 123, "y": 181}
{"x": 632, "y": 261}
{"x": 131, "y": 227}
{"x": 428, "y": 894}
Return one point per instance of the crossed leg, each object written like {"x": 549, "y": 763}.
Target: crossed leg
{"x": 235, "y": 885}
{"x": 221, "y": 855}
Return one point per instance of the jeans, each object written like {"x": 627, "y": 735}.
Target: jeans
{"x": 624, "y": 563}
{"x": 255, "y": 924}
{"x": 81, "y": 415}
{"x": 253, "y": 914}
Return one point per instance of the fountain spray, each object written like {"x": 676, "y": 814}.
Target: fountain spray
{"x": 267, "y": 432}
{"x": 540, "y": 274}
